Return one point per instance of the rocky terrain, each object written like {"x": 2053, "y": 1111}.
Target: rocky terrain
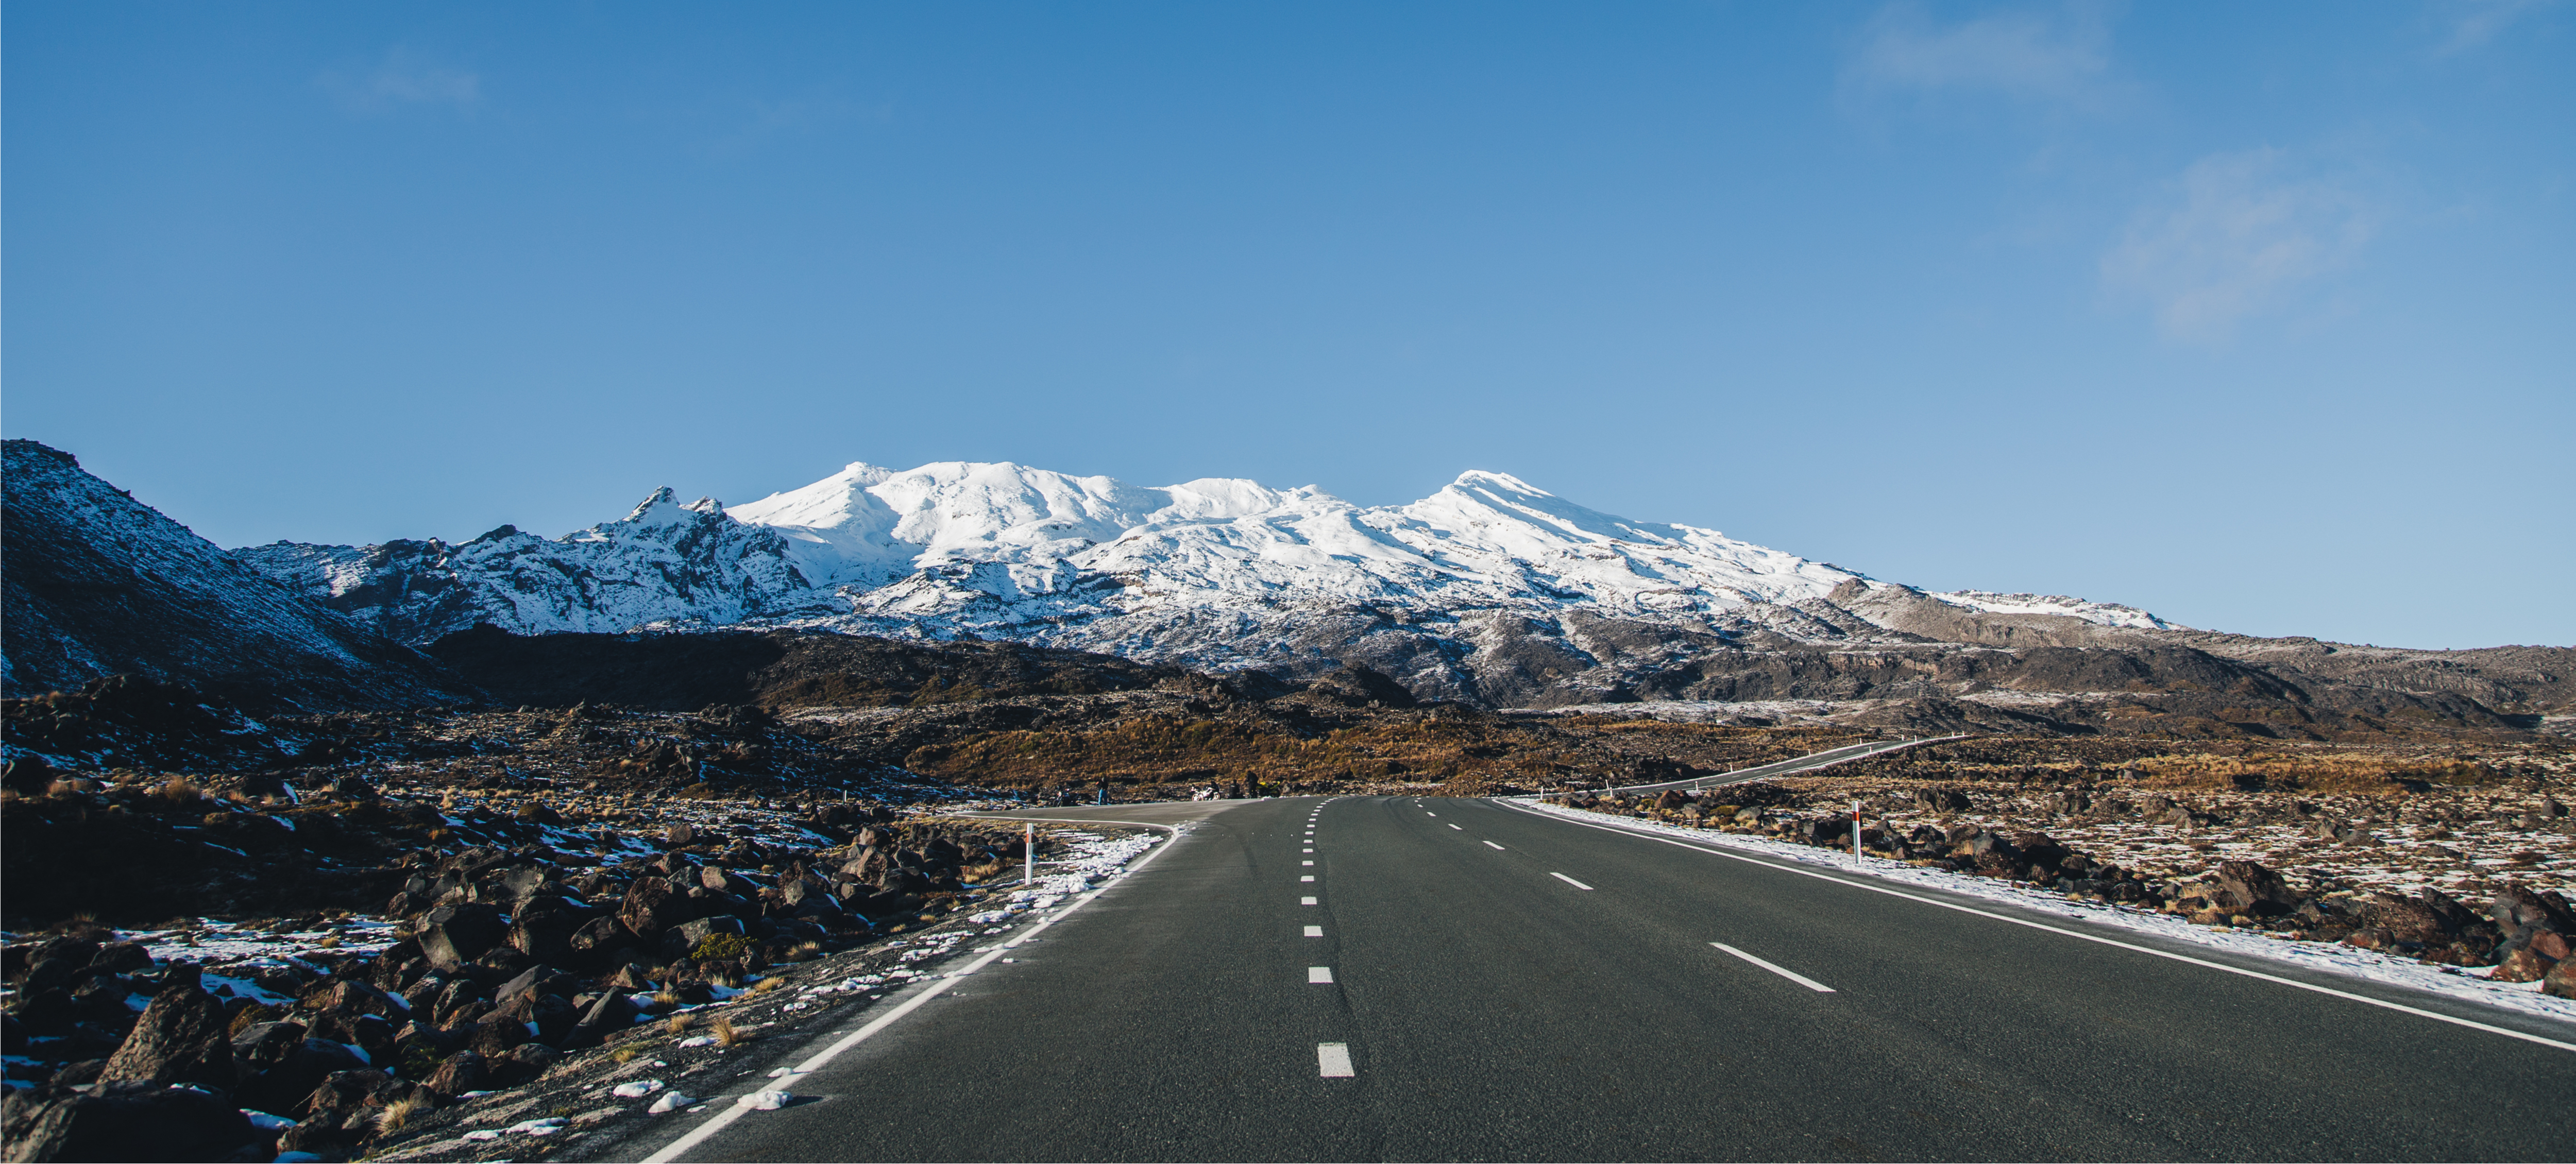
{"x": 439, "y": 939}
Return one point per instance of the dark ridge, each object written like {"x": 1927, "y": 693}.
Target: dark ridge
{"x": 687, "y": 671}
{"x": 99, "y": 584}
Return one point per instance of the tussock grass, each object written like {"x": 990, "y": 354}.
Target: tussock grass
{"x": 400, "y": 1112}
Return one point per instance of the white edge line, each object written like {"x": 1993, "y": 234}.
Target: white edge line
{"x": 1791, "y": 975}
{"x": 2420, "y": 1012}
{"x": 725, "y": 1118}
{"x": 1570, "y": 881}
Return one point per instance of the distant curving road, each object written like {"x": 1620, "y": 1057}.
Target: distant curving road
{"x": 1478, "y": 982}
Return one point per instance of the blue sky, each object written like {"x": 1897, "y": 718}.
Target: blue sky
{"x": 2262, "y": 317}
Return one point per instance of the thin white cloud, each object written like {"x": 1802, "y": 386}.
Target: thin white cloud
{"x": 404, "y": 80}
{"x": 2059, "y": 54}
{"x": 2474, "y": 22}
{"x": 2237, "y": 235}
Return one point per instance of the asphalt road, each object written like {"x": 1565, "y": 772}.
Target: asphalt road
{"x": 1561, "y": 997}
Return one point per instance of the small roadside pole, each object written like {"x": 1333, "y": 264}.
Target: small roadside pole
{"x": 1029, "y": 853}
{"x": 1856, "y": 834}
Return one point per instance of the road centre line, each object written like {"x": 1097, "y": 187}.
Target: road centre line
{"x": 1305, "y": 862}
{"x": 1791, "y": 975}
{"x": 1319, "y": 975}
{"x": 1570, "y": 881}
{"x": 1314, "y": 931}
{"x": 1333, "y": 1060}
{"x": 1492, "y": 845}
{"x": 2419, "y": 1012}
{"x": 1453, "y": 826}
{"x": 1305, "y": 901}
{"x": 731, "y": 1112}
{"x": 1308, "y": 877}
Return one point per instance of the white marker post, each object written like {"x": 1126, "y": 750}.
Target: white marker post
{"x": 1029, "y": 854}
{"x": 1855, "y": 834}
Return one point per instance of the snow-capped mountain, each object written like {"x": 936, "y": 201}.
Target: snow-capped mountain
{"x": 1490, "y": 590}
{"x": 663, "y": 563}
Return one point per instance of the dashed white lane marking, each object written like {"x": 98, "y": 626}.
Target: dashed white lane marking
{"x": 1791, "y": 975}
{"x": 1308, "y": 850}
{"x": 1570, "y": 881}
{"x": 1333, "y": 1060}
{"x": 1427, "y": 812}
{"x": 1492, "y": 845}
{"x": 1305, "y": 862}
{"x": 1314, "y": 931}
{"x": 2204, "y": 963}
{"x": 1305, "y": 901}
{"x": 1308, "y": 877}
{"x": 1454, "y": 827}
{"x": 1319, "y": 975}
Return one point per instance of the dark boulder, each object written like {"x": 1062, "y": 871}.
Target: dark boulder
{"x": 286, "y": 1084}
{"x": 610, "y": 1013}
{"x": 2561, "y": 980}
{"x": 2523, "y": 965}
{"x": 2246, "y": 887}
{"x": 355, "y": 998}
{"x": 182, "y": 1037}
{"x": 261, "y": 1046}
{"x": 125, "y": 1120}
{"x": 653, "y": 905}
{"x": 2517, "y": 908}
{"x": 457, "y": 1074}
{"x": 121, "y": 958}
{"x": 453, "y": 935}
{"x": 2040, "y": 851}
{"x": 498, "y": 1034}
{"x": 596, "y": 941}
{"x": 2430, "y": 918}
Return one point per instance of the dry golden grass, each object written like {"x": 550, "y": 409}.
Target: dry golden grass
{"x": 679, "y": 1024}
{"x": 625, "y": 1055}
{"x": 766, "y": 985}
{"x": 1430, "y": 749}
{"x": 400, "y": 1112}
{"x": 725, "y": 1035}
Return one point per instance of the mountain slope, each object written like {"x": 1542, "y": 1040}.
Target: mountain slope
{"x": 100, "y": 584}
{"x": 1491, "y": 591}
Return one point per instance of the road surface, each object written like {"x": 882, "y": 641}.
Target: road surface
{"x": 1508, "y": 986}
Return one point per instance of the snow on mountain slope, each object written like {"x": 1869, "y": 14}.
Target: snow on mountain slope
{"x": 1215, "y": 573}
{"x": 2097, "y": 613}
{"x": 665, "y": 562}
{"x": 99, "y": 584}
{"x": 867, "y": 525}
